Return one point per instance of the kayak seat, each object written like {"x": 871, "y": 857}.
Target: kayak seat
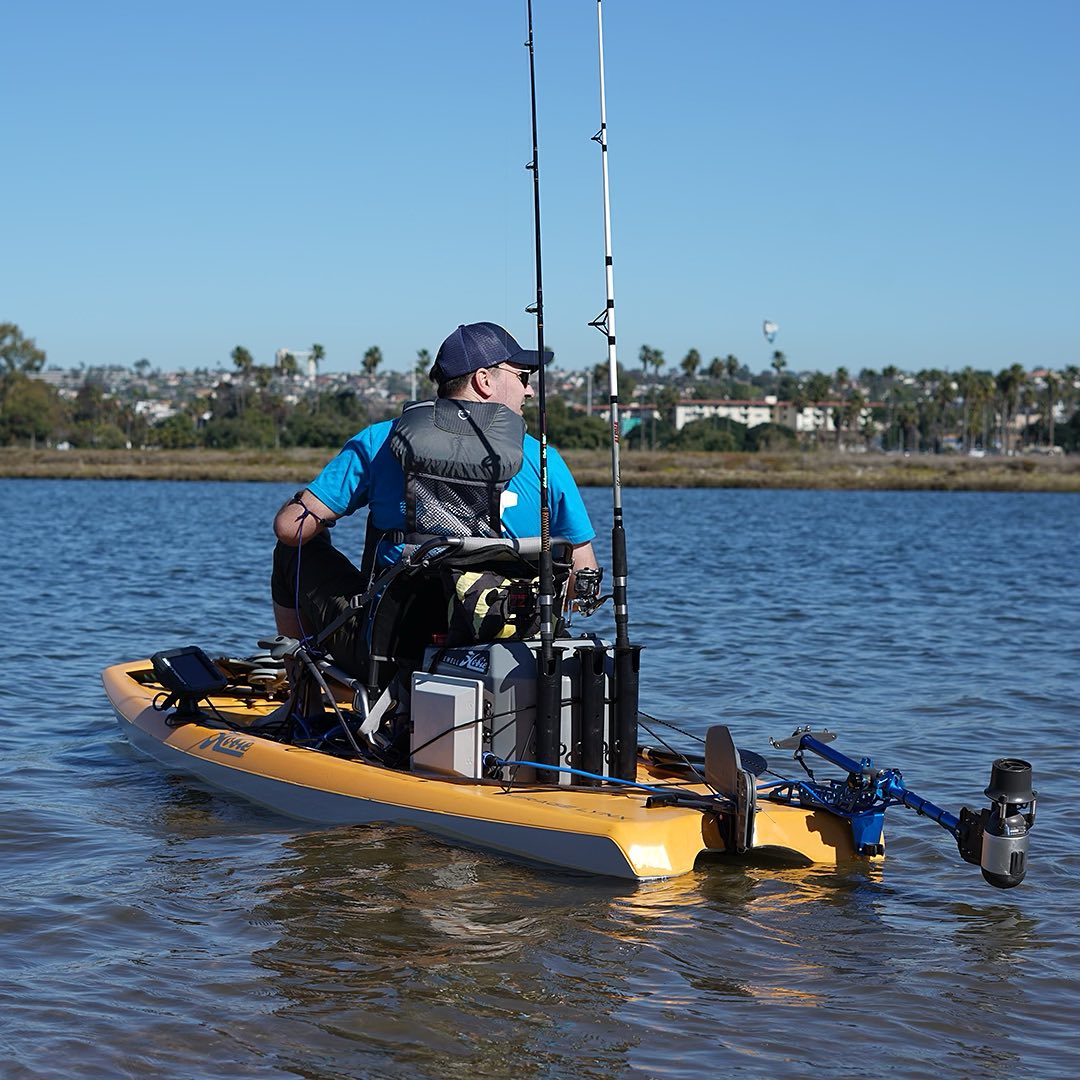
{"x": 414, "y": 610}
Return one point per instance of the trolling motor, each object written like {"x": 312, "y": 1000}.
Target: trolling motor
{"x": 995, "y": 839}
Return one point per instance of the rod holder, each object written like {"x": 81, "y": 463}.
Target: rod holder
{"x": 588, "y": 750}
{"x": 548, "y": 712}
{"x": 624, "y": 738}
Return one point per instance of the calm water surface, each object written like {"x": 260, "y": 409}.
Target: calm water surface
{"x": 151, "y": 928}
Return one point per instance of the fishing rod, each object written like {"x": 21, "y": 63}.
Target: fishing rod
{"x": 549, "y": 662}
{"x": 627, "y": 656}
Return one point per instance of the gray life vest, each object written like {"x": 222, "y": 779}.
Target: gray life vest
{"x": 457, "y": 456}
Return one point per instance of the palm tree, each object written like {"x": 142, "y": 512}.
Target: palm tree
{"x": 839, "y": 386}
{"x": 372, "y": 359}
{"x": 778, "y": 363}
{"x": 651, "y": 357}
{"x": 966, "y": 386}
{"x": 984, "y": 402}
{"x": 1009, "y": 382}
{"x": 889, "y": 374}
{"x": 944, "y": 400}
{"x": 817, "y": 390}
{"x": 716, "y": 368}
{"x": 1027, "y": 401}
{"x": 666, "y": 401}
{"x": 799, "y": 401}
{"x": 908, "y": 417}
{"x": 731, "y": 366}
{"x": 1070, "y": 384}
{"x": 318, "y": 355}
{"x": 869, "y": 428}
{"x": 421, "y": 369}
{"x": 691, "y": 362}
{"x": 853, "y": 408}
{"x": 244, "y": 362}
{"x": 1051, "y": 402}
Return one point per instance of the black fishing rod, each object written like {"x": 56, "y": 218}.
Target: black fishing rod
{"x": 627, "y": 656}
{"x": 549, "y": 662}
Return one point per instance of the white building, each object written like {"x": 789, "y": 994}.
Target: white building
{"x": 817, "y": 417}
{"x": 305, "y": 361}
{"x": 749, "y": 413}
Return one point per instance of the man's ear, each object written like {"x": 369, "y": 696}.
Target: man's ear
{"x": 482, "y": 383}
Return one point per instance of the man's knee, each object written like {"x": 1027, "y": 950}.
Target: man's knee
{"x": 283, "y": 575}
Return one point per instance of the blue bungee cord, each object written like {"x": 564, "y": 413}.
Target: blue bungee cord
{"x": 305, "y": 638}
{"x": 491, "y": 759}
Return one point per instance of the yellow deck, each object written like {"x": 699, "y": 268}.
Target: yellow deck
{"x": 597, "y": 831}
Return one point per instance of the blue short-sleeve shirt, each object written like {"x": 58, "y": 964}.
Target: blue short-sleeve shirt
{"x": 366, "y": 473}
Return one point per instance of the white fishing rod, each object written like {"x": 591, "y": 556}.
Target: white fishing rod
{"x": 627, "y": 656}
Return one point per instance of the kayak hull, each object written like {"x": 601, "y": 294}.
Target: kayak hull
{"x": 595, "y": 831}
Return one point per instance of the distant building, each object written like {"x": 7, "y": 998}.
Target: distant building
{"x": 814, "y": 417}
{"x": 155, "y": 411}
{"x": 305, "y": 361}
{"x": 749, "y": 413}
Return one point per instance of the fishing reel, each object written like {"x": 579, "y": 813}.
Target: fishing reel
{"x": 587, "y": 598}
{"x": 996, "y": 839}
{"x": 521, "y": 599}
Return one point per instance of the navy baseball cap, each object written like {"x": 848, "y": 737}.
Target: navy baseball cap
{"x": 481, "y": 345}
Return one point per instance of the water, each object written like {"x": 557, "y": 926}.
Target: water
{"x": 152, "y": 928}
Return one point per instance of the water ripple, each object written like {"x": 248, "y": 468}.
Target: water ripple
{"x": 154, "y": 928}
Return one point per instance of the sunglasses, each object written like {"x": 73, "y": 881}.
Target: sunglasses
{"x": 522, "y": 376}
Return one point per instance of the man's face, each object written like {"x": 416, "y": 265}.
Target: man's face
{"x": 510, "y": 386}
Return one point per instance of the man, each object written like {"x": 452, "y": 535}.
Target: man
{"x": 486, "y": 373}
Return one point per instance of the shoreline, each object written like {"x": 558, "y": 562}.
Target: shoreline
{"x": 822, "y": 470}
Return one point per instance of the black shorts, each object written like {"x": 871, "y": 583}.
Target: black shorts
{"x": 321, "y": 583}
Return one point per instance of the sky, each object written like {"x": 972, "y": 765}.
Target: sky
{"x": 890, "y": 183}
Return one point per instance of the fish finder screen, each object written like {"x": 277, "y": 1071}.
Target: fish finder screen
{"x": 188, "y": 671}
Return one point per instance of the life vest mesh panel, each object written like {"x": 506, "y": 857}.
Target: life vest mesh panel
{"x": 453, "y": 508}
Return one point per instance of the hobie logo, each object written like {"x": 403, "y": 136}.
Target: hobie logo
{"x": 471, "y": 660}
{"x": 224, "y": 743}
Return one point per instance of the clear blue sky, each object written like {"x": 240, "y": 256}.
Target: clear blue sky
{"x": 891, "y": 183}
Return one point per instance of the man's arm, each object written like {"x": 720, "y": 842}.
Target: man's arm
{"x": 584, "y": 557}
{"x": 303, "y": 517}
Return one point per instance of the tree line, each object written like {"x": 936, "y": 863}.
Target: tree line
{"x": 265, "y": 406}
{"x": 928, "y": 410}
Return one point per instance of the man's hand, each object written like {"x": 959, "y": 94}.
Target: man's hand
{"x": 584, "y": 558}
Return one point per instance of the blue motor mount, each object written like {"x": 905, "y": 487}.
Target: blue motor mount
{"x": 995, "y": 839}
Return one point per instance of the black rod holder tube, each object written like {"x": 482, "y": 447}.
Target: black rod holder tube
{"x": 624, "y": 748}
{"x": 548, "y": 711}
{"x": 589, "y": 749}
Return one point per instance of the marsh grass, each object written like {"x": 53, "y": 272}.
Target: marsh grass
{"x": 827, "y": 470}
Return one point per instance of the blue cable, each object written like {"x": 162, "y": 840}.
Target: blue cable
{"x": 491, "y": 759}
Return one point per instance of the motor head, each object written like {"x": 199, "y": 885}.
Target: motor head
{"x": 997, "y": 838}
